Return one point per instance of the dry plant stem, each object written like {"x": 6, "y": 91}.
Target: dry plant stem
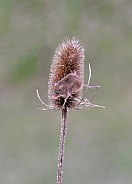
{"x": 62, "y": 145}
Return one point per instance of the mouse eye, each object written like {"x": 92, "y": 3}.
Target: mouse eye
{"x": 72, "y": 93}
{"x": 57, "y": 93}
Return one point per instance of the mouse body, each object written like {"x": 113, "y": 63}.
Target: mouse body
{"x": 67, "y": 86}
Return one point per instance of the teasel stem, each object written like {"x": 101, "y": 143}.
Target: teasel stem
{"x": 62, "y": 144}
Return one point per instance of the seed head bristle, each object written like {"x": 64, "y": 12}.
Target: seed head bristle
{"x": 68, "y": 58}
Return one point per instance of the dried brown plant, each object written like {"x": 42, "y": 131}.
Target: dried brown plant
{"x": 65, "y": 87}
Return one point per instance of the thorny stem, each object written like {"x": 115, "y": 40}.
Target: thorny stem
{"x": 62, "y": 145}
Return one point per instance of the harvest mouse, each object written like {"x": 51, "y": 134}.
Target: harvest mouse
{"x": 67, "y": 86}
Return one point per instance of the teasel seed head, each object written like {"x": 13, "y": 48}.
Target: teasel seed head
{"x": 68, "y": 58}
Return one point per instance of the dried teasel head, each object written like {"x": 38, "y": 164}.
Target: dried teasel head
{"x": 68, "y": 59}
{"x": 66, "y": 78}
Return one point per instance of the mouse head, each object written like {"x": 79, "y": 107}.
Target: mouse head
{"x": 59, "y": 91}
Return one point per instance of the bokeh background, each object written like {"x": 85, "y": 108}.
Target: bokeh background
{"x": 99, "y": 141}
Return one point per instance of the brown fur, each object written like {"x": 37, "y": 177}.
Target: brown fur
{"x": 67, "y": 86}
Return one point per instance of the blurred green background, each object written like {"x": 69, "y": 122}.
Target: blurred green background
{"x": 99, "y": 141}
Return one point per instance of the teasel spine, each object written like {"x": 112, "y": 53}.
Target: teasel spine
{"x": 68, "y": 58}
